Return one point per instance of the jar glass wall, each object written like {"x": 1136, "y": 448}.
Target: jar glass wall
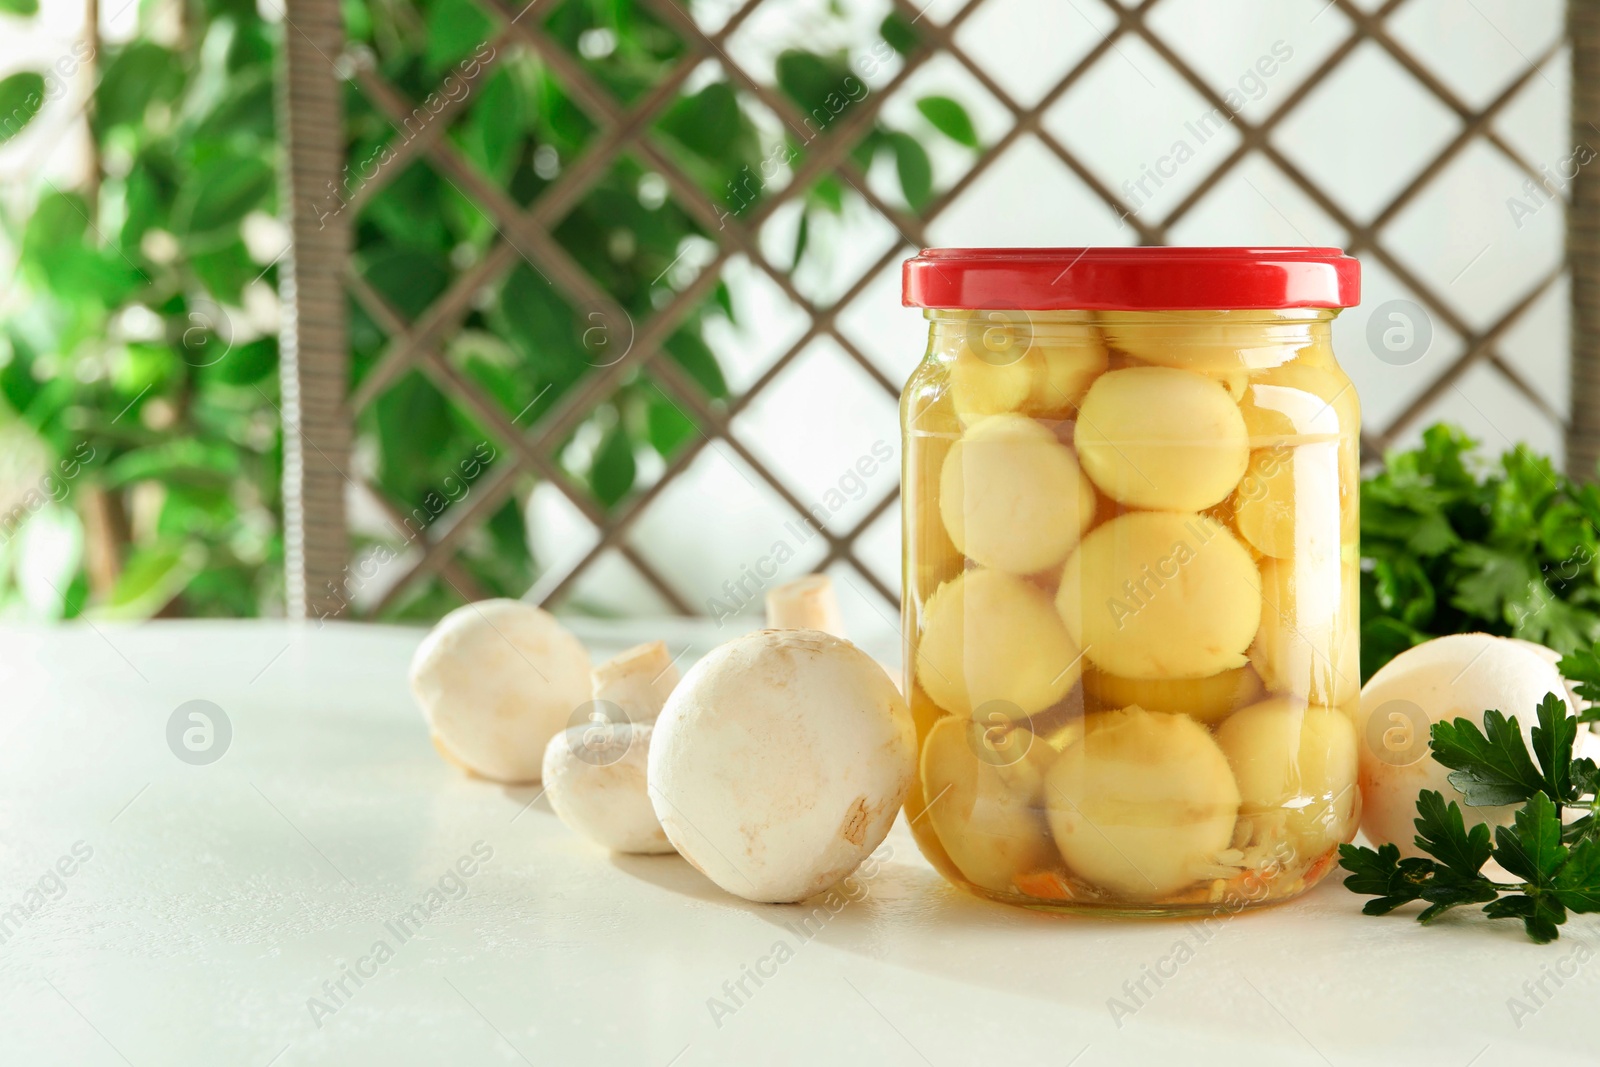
{"x": 1131, "y": 604}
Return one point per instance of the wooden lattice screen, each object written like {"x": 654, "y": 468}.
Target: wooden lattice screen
{"x": 319, "y": 416}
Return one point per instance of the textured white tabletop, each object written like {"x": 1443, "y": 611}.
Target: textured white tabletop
{"x": 213, "y": 912}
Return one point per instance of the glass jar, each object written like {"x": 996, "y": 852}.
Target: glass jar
{"x": 1131, "y": 555}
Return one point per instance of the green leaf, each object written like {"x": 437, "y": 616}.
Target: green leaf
{"x": 915, "y": 171}
{"x": 1448, "y": 890}
{"x": 667, "y": 426}
{"x": 899, "y": 33}
{"x": 1541, "y": 914}
{"x": 456, "y": 28}
{"x": 220, "y": 193}
{"x": 1585, "y": 776}
{"x": 225, "y": 271}
{"x": 802, "y": 237}
{"x": 245, "y": 364}
{"x": 409, "y": 277}
{"x": 139, "y": 74}
{"x": 949, "y": 118}
{"x": 1384, "y": 875}
{"x": 1491, "y": 578}
{"x": 689, "y": 351}
{"x": 1577, "y": 884}
{"x": 498, "y": 123}
{"x": 245, "y": 107}
{"x": 1582, "y": 666}
{"x": 1442, "y": 834}
{"x": 613, "y": 470}
{"x": 1489, "y": 770}
{"x": 150, "y": 580}
{"x": 706, "y": 123}
{"x": 1531, "y": 847}
{"x": 20, "y": 7}
{"x": 188, "y": 460}
{"x": 816, "y": 83}
{"x": 1552, "y": 746}
{"x": 21, "y": 97}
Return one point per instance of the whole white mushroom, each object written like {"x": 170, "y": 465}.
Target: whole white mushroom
{"x": 779, "y": 763}
{"x": 594, "y": 776}
{"x": 496, "y": 680}
{"x": 594, "y": 772}
{"x": 1459, "y": 676}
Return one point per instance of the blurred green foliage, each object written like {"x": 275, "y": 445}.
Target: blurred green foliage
{"x": 138, "y": 343}
{"x": 1453, "y": 542}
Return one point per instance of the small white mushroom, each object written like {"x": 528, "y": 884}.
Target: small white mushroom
{"x": 594, "y": 772}
{"x": 496, "y": 680}
{"x": 779, "y": 763}
{"x": 1459, "y": 676}
{"x": 807, "y": 603}
{"x": 594, "y": 776}
{"x": 637, "y": 681}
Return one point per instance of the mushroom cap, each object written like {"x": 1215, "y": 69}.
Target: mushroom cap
{"x": 1012, "y": 496}
{"x": 1295, "y": 764}
{"x": 496, "y": 681}
{"x": 1458, "y": 676}
{"x": 1161, "y": 594}
{"x": 1159, "y": 437}
{"x": 780, "y": 761}
{"x": 985, "y": 790}
{"x": 594, "y": 776}
{"x": 993, "y": 641}
{"x": 1142, "y": 803}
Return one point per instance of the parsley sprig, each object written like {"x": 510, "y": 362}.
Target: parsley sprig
{"x": 1557, "y": 860}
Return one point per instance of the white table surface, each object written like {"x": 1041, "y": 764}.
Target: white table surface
{"x": 217, "y": 900}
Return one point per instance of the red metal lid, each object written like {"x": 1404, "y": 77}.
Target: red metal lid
{"x": 1130, "y": 279}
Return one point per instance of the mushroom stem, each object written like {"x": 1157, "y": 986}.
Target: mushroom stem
{"x": 637, "y": 681}
{"x": 807, "y": 603}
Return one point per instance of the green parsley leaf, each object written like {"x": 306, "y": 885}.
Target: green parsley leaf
{"x": 1383, "y": 874}
{"x": 1491, "y": 766}
{"x": 1552, "y": 745}
{"x": 1448, "y": 889}
{"x": 1585, "y": 776}
{"x": 1582, "y": 666}
{"x": 1577, "y": 884}
{"x": 1442, "y": 834}
{"x": 1540, "y": 913}
{"x": 1531, "y": 847}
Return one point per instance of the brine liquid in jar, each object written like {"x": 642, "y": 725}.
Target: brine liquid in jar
{"x": 1131, "y": 575}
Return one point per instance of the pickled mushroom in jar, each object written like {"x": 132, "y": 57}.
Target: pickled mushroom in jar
{"x": 1211, "y": 341}
{"x": 1142, "y": 804}
{"x": 992, "y": 640}
{"x": 1155, "y": 594}
{"x": 1308, "y": 645}
{"x": 1288, "y": 503}
{"x": 984, "y": 787}
{"x": 1065, "y": 361}
{"x": 1296, "y": 765}
{"x": 1297, "y": 401}
{"x": 1155, "y": 437}
{"x": 1012, "y": 496}
{"x": 989, "y": 380}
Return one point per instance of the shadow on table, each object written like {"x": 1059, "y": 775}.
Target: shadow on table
{"x": 887, "y": 911}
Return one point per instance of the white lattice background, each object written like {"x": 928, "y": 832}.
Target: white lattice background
{"x": 1402, "y": 131}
